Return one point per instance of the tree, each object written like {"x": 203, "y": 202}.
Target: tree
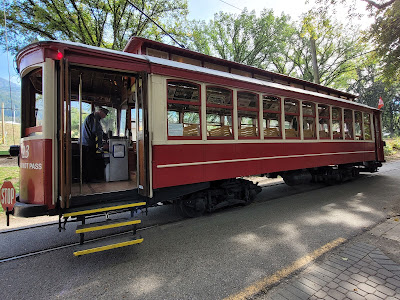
{"x": 279, "y": 45}
{"x": 241, "y": 38}
{"x": 370, "y": 87}
{"x": 384, "y": 32}
{"x": 102, "y": 23}
{"x": 339, "y": 50}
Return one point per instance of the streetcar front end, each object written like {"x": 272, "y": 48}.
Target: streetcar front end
{"x": 37, "y": 150}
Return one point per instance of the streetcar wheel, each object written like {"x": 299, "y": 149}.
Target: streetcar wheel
{"x": 192, "y": 207}
{"x": 249, "y": 194}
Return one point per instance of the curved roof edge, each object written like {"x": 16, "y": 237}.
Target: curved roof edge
{"x": 184, "y": 66}
{"x": 136, "y": 44}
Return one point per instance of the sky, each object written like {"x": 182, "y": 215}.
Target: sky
{"x": 289, "y": 7}
{"x": 205, "y": 10}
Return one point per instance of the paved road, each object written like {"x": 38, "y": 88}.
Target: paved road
{"x": 211, "y": 257}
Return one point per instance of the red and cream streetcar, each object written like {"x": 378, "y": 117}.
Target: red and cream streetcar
{"x": 182, "y": 127}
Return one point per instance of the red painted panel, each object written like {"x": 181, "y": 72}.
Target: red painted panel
{"x": 36, "y": 172}
{"x": 177, "y": 154}
{"x": 107, "y": 60}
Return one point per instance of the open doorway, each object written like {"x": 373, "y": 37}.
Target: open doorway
{"x": 115, "y": 154}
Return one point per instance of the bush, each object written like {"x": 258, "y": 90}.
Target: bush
{"x": 388, "y": 150}
{"x": 396, "y": 144}
{"x": 392, "y": 146}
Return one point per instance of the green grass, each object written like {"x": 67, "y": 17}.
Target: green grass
{"x": 9, "y": 174}
{"x": 4, "y": 152}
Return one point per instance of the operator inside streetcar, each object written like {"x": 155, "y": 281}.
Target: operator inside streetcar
{"x": 94, "y": 142}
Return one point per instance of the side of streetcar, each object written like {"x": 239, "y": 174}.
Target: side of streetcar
{"x": 193, "y": 127}
{"x": 216, "y": 131}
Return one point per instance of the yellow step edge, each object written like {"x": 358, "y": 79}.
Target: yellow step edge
{"x": 103, "y": 209}
{"x": 102, "y": 227}
{"x": 108, "y": 247}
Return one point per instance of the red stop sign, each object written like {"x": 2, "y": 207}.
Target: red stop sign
{"x": 7, "y": 196}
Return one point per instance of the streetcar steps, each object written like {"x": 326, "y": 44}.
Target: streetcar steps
{"x": 104, "y": 209}
{"x": 108, "y": 224}
{"x": 109, "y": 242}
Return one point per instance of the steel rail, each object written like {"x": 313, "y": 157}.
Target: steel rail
{"x": 34, "y": 253}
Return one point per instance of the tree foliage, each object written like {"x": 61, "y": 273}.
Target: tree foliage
{"x": 370, "y": 87}
{"x": 277, "y": 44}
{"x": 241, "y": 38}
{"x": 340, "y": 49}
{"x": 386, "y": 34}
{"x": 103, "y": 23}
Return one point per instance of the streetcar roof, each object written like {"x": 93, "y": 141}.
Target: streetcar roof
{"x": 184, "y": 66}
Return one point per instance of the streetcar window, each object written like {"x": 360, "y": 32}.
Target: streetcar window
{"x": 183, "y": 91}
{"x": 109, "y": 123}
{"x": 219, "y": 96}
{"x": 271, "y": 103}
{"x": 337, "y": 123}
{"x": 247, "y": 100}
{"x": 86, "y": 110}
{"x": 133, "y": 123}
{"x": 183, "y": 120}
{"x": 247, "y": 114}
{"x": 271, "y": 117}
{"x": 309, "y": 120}
{"x": 39, "y": 109}
{"x": 348, "y": 124}
{"x": 122, "y": 123}
{"x": 219, "y": 112}
{"x": 32, "y": 111}
{"x": 358, "y": 125}
{"x": 324, "y": 122}
{"x": 367, "y": 126}
{"x": 183, "y": 110}
{"x": 291, "y": 118}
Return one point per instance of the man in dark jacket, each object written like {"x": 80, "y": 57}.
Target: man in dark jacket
{"x": 92, "y": 141}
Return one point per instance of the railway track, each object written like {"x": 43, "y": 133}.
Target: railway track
{"x": 70, "y": 245}
{"x": 51, "y": 249}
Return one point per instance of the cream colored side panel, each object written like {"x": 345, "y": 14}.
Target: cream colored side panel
{"x": 158, "y": 108}
{"x": 150, "y": 122}
{"x": 50, "y": 116}
{"x": 49, "y": 101}
{"x": 203, "y": 122}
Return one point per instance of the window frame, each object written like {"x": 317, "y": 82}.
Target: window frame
{"x": 314, "y": 116}
{"x": 298, "y": 137}
{"x": 269, "y": 111}
{"x": 340, "y": 119}
{"x": 192, "y": 103}
{"x": 220, "y": 106}
{"x": 361, "y": 126}
{"x": 325, "y": 118}
{"x": 352, "y": 124}
{"x": 370, "y": 126}
{"x": 255, "y": 109}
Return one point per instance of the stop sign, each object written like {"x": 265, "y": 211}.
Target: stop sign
{"x": 7, "y": 196}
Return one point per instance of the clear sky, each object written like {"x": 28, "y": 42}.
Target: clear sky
{"x": 205, "y": 10}
{"x": 4, "y": 69}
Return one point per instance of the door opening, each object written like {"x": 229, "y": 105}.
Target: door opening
{"x": 103, "y": 131}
